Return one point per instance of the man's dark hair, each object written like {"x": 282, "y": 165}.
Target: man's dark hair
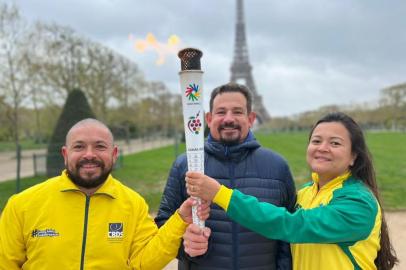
{"x": 232, "y": 88}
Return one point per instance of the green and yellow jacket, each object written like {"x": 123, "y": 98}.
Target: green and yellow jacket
{"x": 334, "y": 227}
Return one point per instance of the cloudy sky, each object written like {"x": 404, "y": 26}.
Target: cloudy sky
{"x": 305, "y": 54}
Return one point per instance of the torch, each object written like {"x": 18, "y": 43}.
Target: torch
{"x": 193, "y": 114}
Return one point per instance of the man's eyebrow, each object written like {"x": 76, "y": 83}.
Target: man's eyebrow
{"x": 102, "y": 142}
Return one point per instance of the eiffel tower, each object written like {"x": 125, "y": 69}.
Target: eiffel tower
{"x": 241, "y": 68}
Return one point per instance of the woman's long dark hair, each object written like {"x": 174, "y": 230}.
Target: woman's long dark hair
{"x": 363, "y": 169}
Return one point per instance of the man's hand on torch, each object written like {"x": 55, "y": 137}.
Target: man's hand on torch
{"x": 202, "y": 186}
{"x": 196, "y": 240}
{"x": 185, "y": 210}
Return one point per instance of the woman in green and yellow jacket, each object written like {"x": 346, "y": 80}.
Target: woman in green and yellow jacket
{"x": 338, "y": 222}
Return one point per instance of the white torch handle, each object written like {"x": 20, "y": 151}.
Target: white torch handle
{"x": 193, "y": 119}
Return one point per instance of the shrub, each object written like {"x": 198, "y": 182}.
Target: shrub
{"x": 76, "y": 108}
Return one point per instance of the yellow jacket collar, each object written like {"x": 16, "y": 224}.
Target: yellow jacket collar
{"x": 108, "y": 188}
{"x": 338, "y": 180}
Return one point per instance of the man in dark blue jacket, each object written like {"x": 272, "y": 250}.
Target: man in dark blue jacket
{"x": 236, "y": 160}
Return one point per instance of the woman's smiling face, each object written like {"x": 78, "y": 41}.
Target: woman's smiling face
{"x": 329, "y": 152}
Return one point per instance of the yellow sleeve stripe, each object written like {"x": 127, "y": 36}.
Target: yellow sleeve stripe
{"x": 223, "y": 197}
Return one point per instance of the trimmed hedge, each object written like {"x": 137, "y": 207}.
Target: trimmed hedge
{"x": 76, "y": 108}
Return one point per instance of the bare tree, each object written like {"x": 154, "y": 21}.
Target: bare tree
{"x": 61, "y": 60}
{"x": 129, "y": 85}
{"x": 101, "y": 78}
{"x": 68, "y": 61}
{"x": 38, "y": 100}
{"x": 5, "y": 124}
{"x": 13, "y": 61}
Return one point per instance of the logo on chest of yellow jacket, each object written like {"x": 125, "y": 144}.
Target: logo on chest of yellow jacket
{"x": 44, "y": 233}
{"x": 115, "y": 231}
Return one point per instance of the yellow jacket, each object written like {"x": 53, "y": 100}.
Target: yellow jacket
{"x": 54, "y": 225}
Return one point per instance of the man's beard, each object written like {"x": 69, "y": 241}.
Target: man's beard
{"x": 92, "y": 182}
{"x": 231, "y": 140}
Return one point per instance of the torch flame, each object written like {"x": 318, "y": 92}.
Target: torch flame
{"x": 162, "y": 49}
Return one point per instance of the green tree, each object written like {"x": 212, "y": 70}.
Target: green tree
{"x": 75, "y": 109}
{"x": 394, "y": 98}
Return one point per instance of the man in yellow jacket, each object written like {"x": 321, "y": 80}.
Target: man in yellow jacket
{"x": 86, "y": 219}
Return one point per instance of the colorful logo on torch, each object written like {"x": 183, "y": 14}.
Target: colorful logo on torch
{"x": 194, "y": 124}
{"x": 192, "y": 92}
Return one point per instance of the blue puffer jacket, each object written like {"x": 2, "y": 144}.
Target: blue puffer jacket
{"x": 252, "y": 170}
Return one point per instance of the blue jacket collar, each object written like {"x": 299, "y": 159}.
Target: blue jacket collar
{"x": 234, "y": 152}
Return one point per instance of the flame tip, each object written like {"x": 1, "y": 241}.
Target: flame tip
{"x": 162, "y": 49}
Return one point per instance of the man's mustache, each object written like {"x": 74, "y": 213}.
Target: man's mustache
{"x": 91, "y": 162}
{"x": 229, "y": 125}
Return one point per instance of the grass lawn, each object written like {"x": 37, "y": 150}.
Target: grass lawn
{"x": 389, "y": 154}
{"x": 146, "y": 172}
{"x": 388, "y": 150}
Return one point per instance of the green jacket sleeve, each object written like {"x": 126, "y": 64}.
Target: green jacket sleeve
{"x": 350, "y": 216}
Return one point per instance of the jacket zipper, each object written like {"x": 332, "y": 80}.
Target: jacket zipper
{"x": 234, "y": 225}
{"x": 82, "y": 257}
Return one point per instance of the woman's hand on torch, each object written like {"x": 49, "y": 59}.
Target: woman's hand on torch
{"x": 202, "y": 186}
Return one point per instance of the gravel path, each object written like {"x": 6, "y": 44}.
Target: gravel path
{"x": 397, "y": 230}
